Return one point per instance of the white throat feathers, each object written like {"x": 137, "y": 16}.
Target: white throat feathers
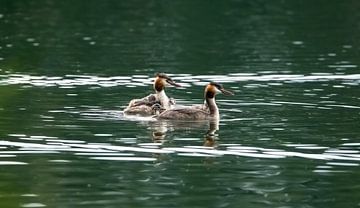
{"x": 163, "y": 99}
{"x": 214, "y": 110}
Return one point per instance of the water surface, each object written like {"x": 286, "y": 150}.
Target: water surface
{"x": 289, "y": 138}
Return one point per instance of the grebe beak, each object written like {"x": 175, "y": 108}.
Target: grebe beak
{"x": 226, "y": 92}
{"x": 171, "y": 82}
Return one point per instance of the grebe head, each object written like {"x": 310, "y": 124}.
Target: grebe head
{"x": 213, "y": 88}
{"x": 162, "y": 80}
{"x": 210, "y": 91}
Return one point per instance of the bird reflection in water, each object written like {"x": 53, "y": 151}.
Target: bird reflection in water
{"x": 161, "y": 128}
{"x": 211, "y": 134}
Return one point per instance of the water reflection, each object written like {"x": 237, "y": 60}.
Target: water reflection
{"x": 163, "y": 131}
{"x": 211, "y": 136}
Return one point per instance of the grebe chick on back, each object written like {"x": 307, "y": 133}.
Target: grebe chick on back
{"x": 196, "y": 113}
{"x": 144, "y": 106}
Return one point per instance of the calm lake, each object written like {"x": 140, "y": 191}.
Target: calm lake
{"x": 290, "y": 137}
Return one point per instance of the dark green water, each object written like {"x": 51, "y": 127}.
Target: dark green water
{"x": 289, "y": 138}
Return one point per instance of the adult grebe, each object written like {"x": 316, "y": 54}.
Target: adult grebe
{"x": 196, "y": 113}
{"x": 144, "y": 106}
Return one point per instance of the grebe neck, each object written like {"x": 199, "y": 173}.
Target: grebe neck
{"x": 214, "y": 110}
{"x": 163, "y": 99}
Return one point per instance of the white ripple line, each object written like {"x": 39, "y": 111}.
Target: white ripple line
{"x": 80, "y": 80}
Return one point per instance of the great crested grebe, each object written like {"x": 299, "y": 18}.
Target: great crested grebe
{"x": 209, "y": 111}
{"x": 144, "y": 106}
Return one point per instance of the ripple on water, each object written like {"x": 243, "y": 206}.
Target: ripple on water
{"x": 12, "y": 163}
{"x": 342, "y": 164}
{"x": 351, "y": 144}
{"x": 103, "y": 135}
{"x": 33, "y": 205}
{"x": 140, "y": 159}
{"x": 59, "y": 161}
{"x": 345, "y": 155}
{"x": 29, "y": 195}
{"x": 143, "y": 80}
{"x": 9, "y": 155}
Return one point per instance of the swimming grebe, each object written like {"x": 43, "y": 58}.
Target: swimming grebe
{"x": 210, "y": 111}
{"x": 144, "y": 106}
